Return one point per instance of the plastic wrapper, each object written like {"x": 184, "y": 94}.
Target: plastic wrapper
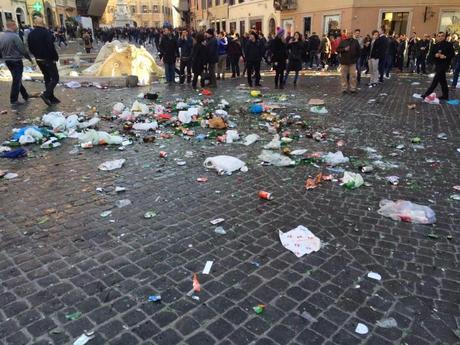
{"x": 225, "y": 164}
{"x": 407, "y": 211}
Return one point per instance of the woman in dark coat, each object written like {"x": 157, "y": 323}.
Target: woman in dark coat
{"x": 296, "y": 51}
{"x": 199, "y": 59}
{"x": 279, "y": 56}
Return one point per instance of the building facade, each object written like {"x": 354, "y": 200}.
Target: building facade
{"x": 13, "y": 10}
{"x": 400, "y": 17}
{"x": 144, "y": 13}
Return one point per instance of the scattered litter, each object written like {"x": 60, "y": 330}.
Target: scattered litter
{"x": 154, "y": 298}
{"x": 335, "y": 158}
{"x": 73, "y": 316}
{"x": 150, "y": 214}
{"x": 217, "y": 221}
{"x": 431, "y": 99}
{"x": 352, "y": 180}
{"x": 119, "y": 189}
{"x": 316, "y": 101}
{"x": 220, "y": 231}
{"x": 196, "y": 283}
{"x": 10, "y": 176}
{"x": 73, "y": 84}
{"x": 455, "y": 197}
{"x": 411, "y": 106}
{"x": 250, "y": 139}
{"x": 442, "y": 136}
{"x": 394, "y": 180}
{"x": 361, "y": 328}
{"x": 307, "y": 316}
{"x": 105, "y": 214}
{"x": 387, "y": 323}
{"x": 256, "y": 108}
{"x": 112, "y": 165}
{"x": 259, "y": 309}
{"x": 207, "y": 267}
{"x": 298, "y": 152}
{"x": 225, "y": 164}
{"x": 415, "y": 83}
{"x": 407, "y": 211}
{"x": 417, "y": 95}
{"x": 318, "y": 110}
{"x": 84, "y": 338}
{"x": 122, "y": 203}
{"x": 265, "y": 195}
{"x": 18, "y": 153}
{"x": 374, "y": 275}
{"x": 454, "y": 102}
{"x": 275, "y": 159}
{"x": 300, "y": 241}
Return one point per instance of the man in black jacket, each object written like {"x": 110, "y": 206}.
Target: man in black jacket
{"x": 168, "y": 53}
{"x": 185, "y": 45}
{"x": 213, "y": 56}
{"x": 313, "y": 49}
{"x": 253, "y": 53}
{"x": 421, "y": 51}
{"x": 41, "y": 46}
{"x": 349, "y": 51}
{"x": 442, "y": 54}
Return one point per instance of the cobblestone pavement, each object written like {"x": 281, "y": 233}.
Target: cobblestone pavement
{"x": 58, "y": 255}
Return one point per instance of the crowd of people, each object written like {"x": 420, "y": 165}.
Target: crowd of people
{"x": 206, "y": 56}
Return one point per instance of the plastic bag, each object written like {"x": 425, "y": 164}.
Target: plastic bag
{"x": 231, "y": 136}
{"x": 73, "y": 84}
{"x": 140, "y": 108}
{"x": 184, "y": 116}
{"x": 275, "y": 159}
{"x": 221, "y": 113}
{"x": 225, "y": 164}
{"x": 431, "y": 99}
{"x": 128, "y": 116}
{"x": 251, "y": 139}
{"x": 55, "y": 120}
{"x": 407, "y": 211}
{"x": 351, "y": 180}
{"x": 275, "y": 144}
{"x": 318, "y": 109}
{"x": 99, "y": 138}
{"x": 145, "y": 126}
{"x": 71, "y": 121}
{"x": 27, "y": 135}
{"x": 335, "y": 158}
{"x": 300, "y": 241}
{"x": 90, "y": 123}
{"x": 256, "y": 108}
{"x": 112, "y": 165}
{"x": 181, "y": 105}
{"x": 118, "y": 108}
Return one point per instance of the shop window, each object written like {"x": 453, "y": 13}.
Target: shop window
{"x": 450, "y": 21}
{"x": 331, "y": 24}
{"x": 395, "y": 22}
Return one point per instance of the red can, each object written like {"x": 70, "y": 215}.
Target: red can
{"x": 163, "y": 154}
{"x": 265, "y": 195}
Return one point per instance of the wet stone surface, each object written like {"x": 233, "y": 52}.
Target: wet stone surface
{"x": 59, "y": 256}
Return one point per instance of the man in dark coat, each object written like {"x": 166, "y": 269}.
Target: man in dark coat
{"x": 349, "y": 51}
{"x": 253, "y": 53}
{"x": 421, "y": 51}
{"x": 185, "y": 45}
{"x": 279, "y": 56}
{"x": 442, "y": 54}
{"x": 168, "y": 53}
{"x": 41, "y": 46}
{"x": 213, "y": 56}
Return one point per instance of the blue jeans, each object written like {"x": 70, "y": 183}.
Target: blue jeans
{"x": 456, "y": 73}
{"x": 170, "y": 72}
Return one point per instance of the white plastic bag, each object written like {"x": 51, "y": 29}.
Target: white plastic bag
{"x": 118, "y": 108}
{"x": 231, "y": 135}
{"x": 99, "y": 138}
{"x": 145, "y": 126}
{"x": 140, "y": 108}
{"x": 30, "y": 136}
{"x": 90, "y": 123}
{"x": 221, "y": 113}
{"x": 225, "y": 164}
{"x": 275, "y": 159}
{"x": 335, "y": 158}
{"x": 55, "y": 120}
{"x": 73, "y": 84}
{"x": 431, "y": 99}
{"x": 352, "y": 180}
{"x": 407, "y": 211}
{"x": 184, "y": 116}
{"x": 181, "y": 105}
{"x": 251, "y": 139}
{"x": 275, "y": 144}
{"x": 300, "y": 241}
{"x": 112, "y": 165}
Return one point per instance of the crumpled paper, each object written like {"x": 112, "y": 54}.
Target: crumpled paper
{"x": 300, "y": 241}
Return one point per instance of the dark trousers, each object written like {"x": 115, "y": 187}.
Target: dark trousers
{"x": 381, "y": 68}
{"x": 279, "y": 75}
{"x": 196, "y": 74}
{"x": 212, "y": 74}
{"x": 456, "y": 73}
{"x": 439, "y": 78}
{"x": 389, "y": 61}
{"x": 185, "y": 64}
{"x": 16, "y": 67}
{"x": 421, "y": 64}
{"x": 50, "y": 75}
{"x": 235, "y": 65}
{"x": 253, "y": 67}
